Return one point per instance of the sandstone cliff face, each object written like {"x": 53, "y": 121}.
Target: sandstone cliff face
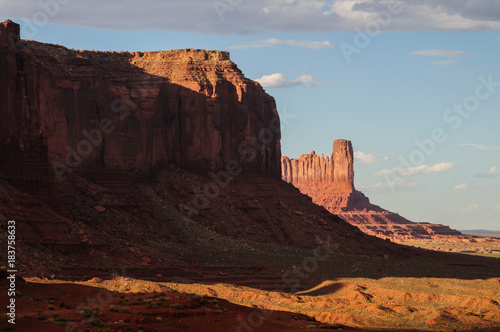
{"x": 329, "y": 181}
{"x": 78, "y": 110}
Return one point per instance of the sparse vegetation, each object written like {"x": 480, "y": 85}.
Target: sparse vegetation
{"x": 86, "y": 312}
{"x": 125, "y": 310}
{"x": 177, "y": 306}
{"x": 95, "y": 322}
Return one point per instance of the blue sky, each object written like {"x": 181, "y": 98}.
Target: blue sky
{"x": 383, "y": 74}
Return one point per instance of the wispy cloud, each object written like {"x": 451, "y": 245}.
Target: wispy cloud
{"x": 280, "y": 80}
{"x": 423, "y": 169}
{"x": 368, "y": 158}
{"x": 470, "y": 209}
{"x": 481, "y": 147}
{"x": 492, "y": 173}
{"x": 446, "y": 62}
{"x": 441, "y": 53}
{"x": 273, "y": 42}
{"x": 313, "y": 45}
{"x": 384, "y": 186}
{"x": 464, "y": 186}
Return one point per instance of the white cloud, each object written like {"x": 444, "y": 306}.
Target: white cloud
{"x": 462, "y": 186}
{"x": 384, "y": 186}
{"x": 423, "y": 169}
{"x": 313, "y": 45}
{"x": 367, "y": 158}
{"x": 446, "y": 62}
{"x": 302, "y": 80}
{"x": 465, "y": 186}
{"x": 470, "y": 209}
{"x": 496, "y": 207}
{"x": 494, "y": 171}
{"x": 279, "y": 80}
{"x": 273, "y": 42}
{"x": 481, "y": 146}
{"x": 258, "y": 16}
{"x": 441, "y": 53}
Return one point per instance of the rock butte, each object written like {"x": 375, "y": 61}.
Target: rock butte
{"x": 329, "y": 181}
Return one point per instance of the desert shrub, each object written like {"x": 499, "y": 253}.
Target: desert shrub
{"x": 177, "y": 306}
{"x": 95, "y": 322}
{"x": 152, "y": 304}
{"x": 125, "y": 310}
{"x": 86, "y": 312}
{"x": 51, "y": 307}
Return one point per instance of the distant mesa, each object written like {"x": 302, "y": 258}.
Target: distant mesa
{"x": 329, "y": 181}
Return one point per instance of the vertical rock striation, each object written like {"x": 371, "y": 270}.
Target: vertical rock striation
{"x": 343, "y": 159}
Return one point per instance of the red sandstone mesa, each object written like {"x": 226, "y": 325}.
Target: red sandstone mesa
{"x": 329, "y": 181}
{"x": 133, "y": 111}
